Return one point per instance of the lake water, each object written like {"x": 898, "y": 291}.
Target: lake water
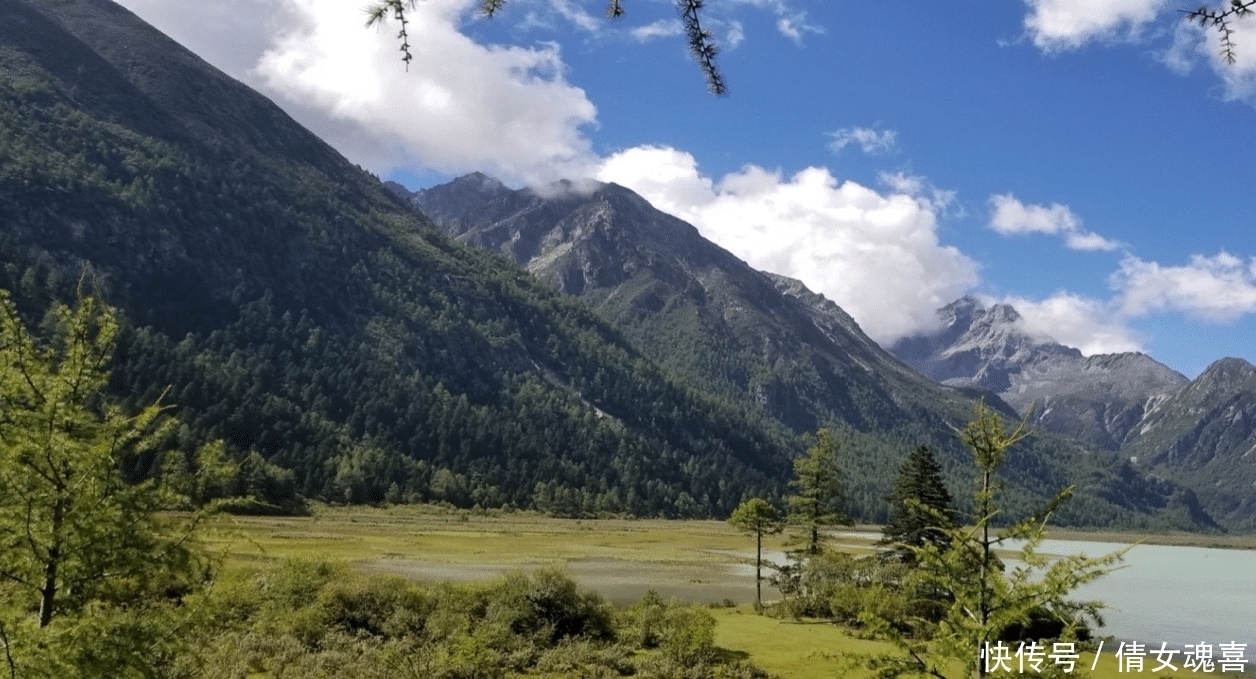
{"x": 1180, "y": 595}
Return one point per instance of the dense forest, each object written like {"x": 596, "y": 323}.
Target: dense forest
{"x": 290, "y": 305}
{"x": 295, "y": 308}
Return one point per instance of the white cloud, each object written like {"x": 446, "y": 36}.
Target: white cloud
{"x": 1193, "y": 43}
{"x": 577, "y": 15}
{"x": 876, "y": 255}
{"x": 1076, "y": 321}
{"x": 939, "y": 200}
{"x": 793, "y": 26}
{"x": 663, "y": 28}
{"x": 1009, "y": 216}
{"x": 1239, "y": 77}
{"x": 1218, "y": 288}
{"x": 790, "y": 22}
{"x": 230, "y": 34}
{"x": 1058, "y": 25}
{"x": 869, "y": 139}
{"x": 462, "y": 106}
{"x": 1069, "y": 24}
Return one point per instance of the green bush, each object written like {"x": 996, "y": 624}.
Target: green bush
{"x": 305, "y": 619}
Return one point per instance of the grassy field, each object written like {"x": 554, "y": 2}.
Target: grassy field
{"x": 705, "y": 561}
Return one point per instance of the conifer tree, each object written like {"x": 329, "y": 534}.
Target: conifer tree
{"x": 921, "y": 509}
{"x": 984, "y": 598}
{"x": 817, "y": 504}
{"x": 77, "y": 538}
{"x": 757, "y": 516}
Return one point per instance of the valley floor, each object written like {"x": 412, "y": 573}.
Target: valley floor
{"x": 701, "y": 561}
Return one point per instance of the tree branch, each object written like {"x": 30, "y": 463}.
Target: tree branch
{"x": 1220, "y": 20}
{"x": 702, "y": 44}
{"x": 701, "y": 41}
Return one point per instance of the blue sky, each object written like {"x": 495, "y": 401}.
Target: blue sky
{"x": 1091, "y": 161}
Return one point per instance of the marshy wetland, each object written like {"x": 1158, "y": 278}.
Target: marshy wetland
{"x": 699, "y": 561}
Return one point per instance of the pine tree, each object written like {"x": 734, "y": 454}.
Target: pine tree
{"x": 818, "y": 502}
{"x": 77, "y": 539}
{"x": 757, "y": 516}
{"x": 921, "y": 509}
{"x": 985, "y": 598}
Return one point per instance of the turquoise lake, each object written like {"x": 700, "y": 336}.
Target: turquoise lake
{"x": 1179, "y": 595}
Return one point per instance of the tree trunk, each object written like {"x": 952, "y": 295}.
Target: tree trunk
{"x": 48, "y": 592}
{"x": 758, "y": 565}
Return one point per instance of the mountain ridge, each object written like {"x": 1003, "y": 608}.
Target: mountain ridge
{"x": 1098, "y": 399}
{"x": 297, "y": 308}
{"x": 752, "y": 336}
{"x": 1201, "y": 432}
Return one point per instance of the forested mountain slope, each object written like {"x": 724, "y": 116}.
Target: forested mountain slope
{"x": 767, "y": 341}
{"x": 704, "y": 313}
{"x": 297, "y": 308}
{"x": 1204, "y": 435}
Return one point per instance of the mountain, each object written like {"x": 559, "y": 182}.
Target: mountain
{"x": 1204, "y": 435}
{"x": 1097, "y": 399}
{"x": 1200, "y": 434}
{"x": 287, "y": 302}
{"x": 766, "y": 341}
{"x": 704, "y": 313}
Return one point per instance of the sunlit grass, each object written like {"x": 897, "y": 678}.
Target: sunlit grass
{"x": 691, "y": 557}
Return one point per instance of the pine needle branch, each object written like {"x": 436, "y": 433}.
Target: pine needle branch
{"x": 490, "y": 8}
{"x": 701, "y": 41}
{"x": 1221, "y": 20}
{"x": 376, "y": 15}
{"x": 702, "y": 44}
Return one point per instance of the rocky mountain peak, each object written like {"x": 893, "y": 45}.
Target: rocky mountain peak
{"x": 1227, "y": 375}
{"x": 1229, "y": 369}
{"x": 1001, "y": 314}
{"x": 1097, "y": 398}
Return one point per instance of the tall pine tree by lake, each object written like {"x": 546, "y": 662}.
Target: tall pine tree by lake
{"x": 921, "y": 508}
{"x": 820, "y": 495}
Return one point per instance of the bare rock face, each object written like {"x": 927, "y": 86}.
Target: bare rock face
{"x": 1099, "y": 399}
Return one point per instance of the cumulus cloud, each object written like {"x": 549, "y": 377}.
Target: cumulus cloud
{"x": 876, "y": 255}
{"x": 1193, "y": 43}
{"x": 1009, "y": 216}
{"x": 1218, "y": 288}
{"x": 230, "y": 34}
{"x": 870, "y": 140}
{"x": 1069, "y": 24}
{"x": 462, "y": 106}
{"x": 1058, "y": 25}
{"x": 1075, "y": 321}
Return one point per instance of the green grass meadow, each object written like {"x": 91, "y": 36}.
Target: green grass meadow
{"x": 704, "y": 561}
